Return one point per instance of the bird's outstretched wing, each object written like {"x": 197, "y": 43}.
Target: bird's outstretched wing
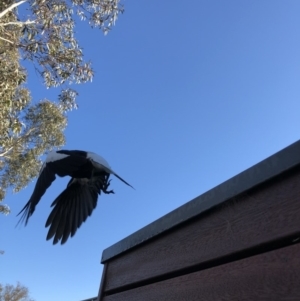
{"x": 73, "y": 206}
{"x": 46, "y": 177}
{"x": 62, "y": 165}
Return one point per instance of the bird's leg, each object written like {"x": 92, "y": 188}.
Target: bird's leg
{"x": 105, "y": 186}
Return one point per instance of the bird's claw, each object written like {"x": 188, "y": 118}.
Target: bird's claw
{"x": 105, "y": 188}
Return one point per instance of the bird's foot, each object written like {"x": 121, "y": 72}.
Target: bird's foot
{"x": 108, "y": 191}
{"x": 105, "y": 186}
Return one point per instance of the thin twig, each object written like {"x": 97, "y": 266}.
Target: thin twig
{"x": 11, "y": 8}
{"x": 3, "y": 154}
{"x": 17, "y": 23}
{"x": 7, "y": 40}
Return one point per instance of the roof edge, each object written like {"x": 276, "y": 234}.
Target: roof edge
{"x": 274, "y": 165}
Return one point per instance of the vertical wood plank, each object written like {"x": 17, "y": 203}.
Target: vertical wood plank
{"x": 102, "y": 284}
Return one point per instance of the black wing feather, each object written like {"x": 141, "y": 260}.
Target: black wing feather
{"x": 72, "y": 165}
{"x": 45, "y": 179}
{"x": 72, "y": 207}
{"x": 62, "y": 224}
{"x": 76, "y": 207}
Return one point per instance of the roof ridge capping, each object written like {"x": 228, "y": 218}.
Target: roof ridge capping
{"x": 270, "y": 167}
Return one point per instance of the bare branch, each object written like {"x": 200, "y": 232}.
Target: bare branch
{"x": 4, "y": 153}
{"x": 7, "y": 40}
{"x": 17, "y": 141}
{"x": 18, "y": 23}
{"x": 11, "y": 8}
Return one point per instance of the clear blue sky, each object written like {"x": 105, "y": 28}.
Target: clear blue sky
{"x": 185, "y": 96}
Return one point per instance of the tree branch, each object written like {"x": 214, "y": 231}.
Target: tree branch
{"x": 11, "y": 8}
{"x": 17, "y": 23}
{"x": 7, "y": 40}
{"x": 4, "y": 153}
{"x": 17, "y": 141}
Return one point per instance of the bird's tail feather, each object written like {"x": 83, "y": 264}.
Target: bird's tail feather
{"x": 110, "y": 171}
{"x": 122, "y": 179}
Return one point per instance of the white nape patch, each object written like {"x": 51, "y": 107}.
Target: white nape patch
{"x": 54, "y": 156}
{"x": 98, "y": 159}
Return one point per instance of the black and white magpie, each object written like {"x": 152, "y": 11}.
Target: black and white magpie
{"x": 89, "y": 174}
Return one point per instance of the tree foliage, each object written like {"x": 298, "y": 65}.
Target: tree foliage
{"x": 14, "y": 293}
{"x": 44, "y": 37}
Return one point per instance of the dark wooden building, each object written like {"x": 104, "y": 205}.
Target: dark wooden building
{"x": 238, "y": 241}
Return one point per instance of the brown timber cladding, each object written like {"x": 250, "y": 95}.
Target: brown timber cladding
{"x": 244, "y": 248}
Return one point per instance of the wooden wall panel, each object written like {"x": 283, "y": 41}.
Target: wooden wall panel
{"x": 266, "y": 213}
{"x": 271, "y": 276}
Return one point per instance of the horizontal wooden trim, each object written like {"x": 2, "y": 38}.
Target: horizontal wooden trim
{"x": 265, "y": 214}
{"x": 272, "y": 276}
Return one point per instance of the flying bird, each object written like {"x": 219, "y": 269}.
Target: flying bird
{"x": 89, "y": 174}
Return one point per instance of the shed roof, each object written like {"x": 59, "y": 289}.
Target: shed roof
{"x": 274, "y": 165}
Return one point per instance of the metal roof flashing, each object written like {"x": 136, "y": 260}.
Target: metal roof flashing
{"x": 274, "y": 165}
